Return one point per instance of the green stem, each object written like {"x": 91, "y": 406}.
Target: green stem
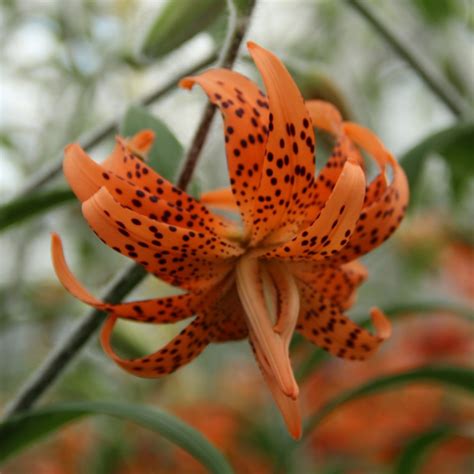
{"x": 22, "y": 208}
{"x": 437, "y": 83}
{"x": 59, "y": 359}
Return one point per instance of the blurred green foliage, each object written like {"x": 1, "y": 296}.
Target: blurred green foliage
{"x": 27, "y": 428}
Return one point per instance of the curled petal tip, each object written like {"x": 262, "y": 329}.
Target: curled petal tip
{"x": 382, "y": 324}
{"x": 144, "y": 139}
{"x": 68, "y": 147}
{"x": 186, "y": 82}
{"x": 296, "y": 431}
{"x": 252, "y": 45}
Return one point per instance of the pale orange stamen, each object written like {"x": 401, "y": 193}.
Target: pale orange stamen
{"x": 289, "y": 407}
{"x": 270, "y": 344}
{"x": 289, "y": 300}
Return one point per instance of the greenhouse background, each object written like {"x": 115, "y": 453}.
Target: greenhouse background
{"x": 84, "y": 71}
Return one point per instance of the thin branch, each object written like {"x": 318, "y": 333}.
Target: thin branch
{"x": 238, "y": 24}
{"x": 435, "y": 81}
{"x": 68, "y": 348}
{"x": 58, "y": 360}
{"x": 93, "y": 138}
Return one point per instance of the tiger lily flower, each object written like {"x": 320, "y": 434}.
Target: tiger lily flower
{"x": 291, "y": 264}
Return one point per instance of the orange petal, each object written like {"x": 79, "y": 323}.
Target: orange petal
{"x": 159, "y": 310}
{"x": 181, "y": 350}
{"x": 385, "y": 211}
{"x": 323, "y": 323}
{"x": 325, "y": 116}
{"x": 285, "y": 190}
{"x": 335, "y": 223}
{"x": 222, "y": 198}
{"x": 245, "y": 111}
{"x": 226, "y": 317}
{"x": 132, "y": 169}
{"x": 142, "y": 141}
{"x": 86, "y": 177}
{"x": 337, "y": 283}
{"x": 180, "y": 256}
{"x": 342, "y": 152}
{"x": 376, "y": 189}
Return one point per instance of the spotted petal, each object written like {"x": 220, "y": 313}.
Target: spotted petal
{"x": 181, "y": 350}
{"x": 285, "y": 190}
{"x": 244, "y": 109}
{"x": 86, "y": 177}
{"x": 323, "y": 323}
{"x": 157, "y": 310}
{"x": 334, "y": 224}
{"x": 180, "y": 256}
{"x": 385, "y": 210}
{"x": 337, "y": 283}
{"x": 125, "y": 164}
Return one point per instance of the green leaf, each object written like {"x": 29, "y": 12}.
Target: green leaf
{"x": 20, "y": 209}
{"x": 22, "y": 430}
{"x": 412, "y": 457}
{"x": 455, "y": 145}
{"x": 178, "y": 22}
{"x": 438, "y": 12}
{"x": 166, "y": 153}
{"x": 459, "y": 377}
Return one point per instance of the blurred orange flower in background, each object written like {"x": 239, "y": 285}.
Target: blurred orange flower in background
{"x": 377, "y": 427}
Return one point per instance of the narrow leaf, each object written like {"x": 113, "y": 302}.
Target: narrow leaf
{"x": 412, "y": 457}
{"x": 166, "y": 153}
{"x": 24, "y": 429}
{"x": 178, "y": 22}
{"x": 454, "y": 144}
{"x": 20, "y": 209}
{"x": 459, "y": 377}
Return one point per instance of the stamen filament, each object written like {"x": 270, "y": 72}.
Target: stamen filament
{"x": 289, "y": 300}
{"x": 270, "y": 344}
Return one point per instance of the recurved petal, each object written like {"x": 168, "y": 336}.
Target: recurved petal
{"x": 323, "y": 323}
{"x": 134, "y": 170}
{"x": 333, "y": 226}
{"x": 325, "y": 116}
{"x": 285, "y": 190}
{"x": 181, "y": 350}
{"x": 385, "y": 210}
{"x": 86, "y": 177}
{"x": 342, "y": 152}
{"x": 226, "y": 317}
{"x": 337, "y": 283}
{"x": 158, "y": 310}
{"x": 222, "y": 198}
{"x": 182, "y": 257}
{"x": 142, "y": 141}
{"x": 244, "y": 109}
